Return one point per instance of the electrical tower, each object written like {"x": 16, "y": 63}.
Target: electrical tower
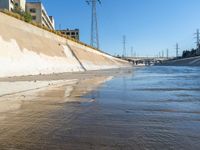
{"x": 124, "y": 46}
{"x": 167, "y": 53}
{"x": 131, "y": 51}
{"x": 197, "y": 41}
{"x": 159, "y": 55}
{"x": 94, "y": 24}
{"x": 177, "y": 49}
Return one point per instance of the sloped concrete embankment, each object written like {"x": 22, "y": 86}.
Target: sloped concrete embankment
{"x": 29, "y": 50}
{"x": 193, "y": 61}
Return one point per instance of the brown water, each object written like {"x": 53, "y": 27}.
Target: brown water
{"x": 148, "y": 109}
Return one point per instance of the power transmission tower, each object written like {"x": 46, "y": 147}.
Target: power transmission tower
{"x": 197, "y": 41}
{"x": 124, "y": 46}
{"x": 177, "y": 49}
{"x": 131, "y": 51}
{"x": 94, "y": 24}
{"x": 167, "y": 53}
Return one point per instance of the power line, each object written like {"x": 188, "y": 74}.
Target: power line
{"x": 94, "y": 24}
{"x": 59, "y": 26}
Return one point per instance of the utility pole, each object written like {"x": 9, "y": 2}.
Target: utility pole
{"x": 197, "y": 41}
{"x": 167, "y": 53}
{"x": 94, "y": 24}
{"x": 162, "y": 54}
{"x": 124, "y": 46}
{"x": 132, "y": 51}
{"x": 177, "y": 49}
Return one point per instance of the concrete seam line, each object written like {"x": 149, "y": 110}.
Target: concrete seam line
{"x": 76, "y": 57}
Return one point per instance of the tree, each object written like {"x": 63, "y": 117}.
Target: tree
{"x": 189, "y": 53}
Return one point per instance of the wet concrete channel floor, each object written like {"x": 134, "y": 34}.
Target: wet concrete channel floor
{"x": 150, "y": 108}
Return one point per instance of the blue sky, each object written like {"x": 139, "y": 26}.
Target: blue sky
{"x": 150, "y": 26}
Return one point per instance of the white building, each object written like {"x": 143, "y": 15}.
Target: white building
{"x": 10, "y": 4}
{"x": 39, "y": 14}
{"x": 21, "y": 4}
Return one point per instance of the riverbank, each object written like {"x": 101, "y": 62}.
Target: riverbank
{"x": 20, "y": 84}
{"x": 29, "y": 50}
{"x": 193, "y": 61}
{"x": 51, "y": 89}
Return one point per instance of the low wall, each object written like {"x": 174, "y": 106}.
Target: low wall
{"x": 28, "y": 50}
{"x": 193, "y": 61}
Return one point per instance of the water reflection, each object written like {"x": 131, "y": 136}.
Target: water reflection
{"x": 156, "y": 108}
{"x": 60, "y": 93}
{"x": 151, "y": 108}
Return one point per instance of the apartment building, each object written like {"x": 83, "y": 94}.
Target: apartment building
{"x": 71, "y": 33}
{"x": 10, "y": 4}
{"x": 21, "y": 4}
{"x": 39, "y": 14}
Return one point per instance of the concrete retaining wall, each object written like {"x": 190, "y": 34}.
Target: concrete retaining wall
{"x": 193, "y": 61}
{"x": 29, "y": 50}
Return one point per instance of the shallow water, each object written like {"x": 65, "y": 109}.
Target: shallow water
{"x": 153, "y": 108}
{"x": 147, "y": 109}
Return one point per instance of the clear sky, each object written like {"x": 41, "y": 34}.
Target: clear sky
{"x": 150, "y": 26}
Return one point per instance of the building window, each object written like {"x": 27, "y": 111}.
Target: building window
{"x": 12, "y": 1}
{"x": 16, "y": 4}
{"x": 73, "y": 33}
{"x": 34, "y": 17}
{"x": 32, "y": 10}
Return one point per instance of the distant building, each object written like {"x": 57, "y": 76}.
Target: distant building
{"x": 39, "y": 14}
{"x": 21, "y": 4}
{"x": 10, "y": 4}
{"x": 71, "y": 33}
{"x": 34, "y": 7}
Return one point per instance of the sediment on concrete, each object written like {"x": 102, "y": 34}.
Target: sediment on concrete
{"x": 28, "y": 50}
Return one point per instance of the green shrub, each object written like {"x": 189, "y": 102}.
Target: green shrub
{"x": 27, "y": 17}
{"x": 24, "y": 16}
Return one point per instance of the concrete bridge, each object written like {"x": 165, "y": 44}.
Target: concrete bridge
{"x": 145, "y": 61}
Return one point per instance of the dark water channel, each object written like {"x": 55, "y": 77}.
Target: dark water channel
{"x": 153, "y": 108}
